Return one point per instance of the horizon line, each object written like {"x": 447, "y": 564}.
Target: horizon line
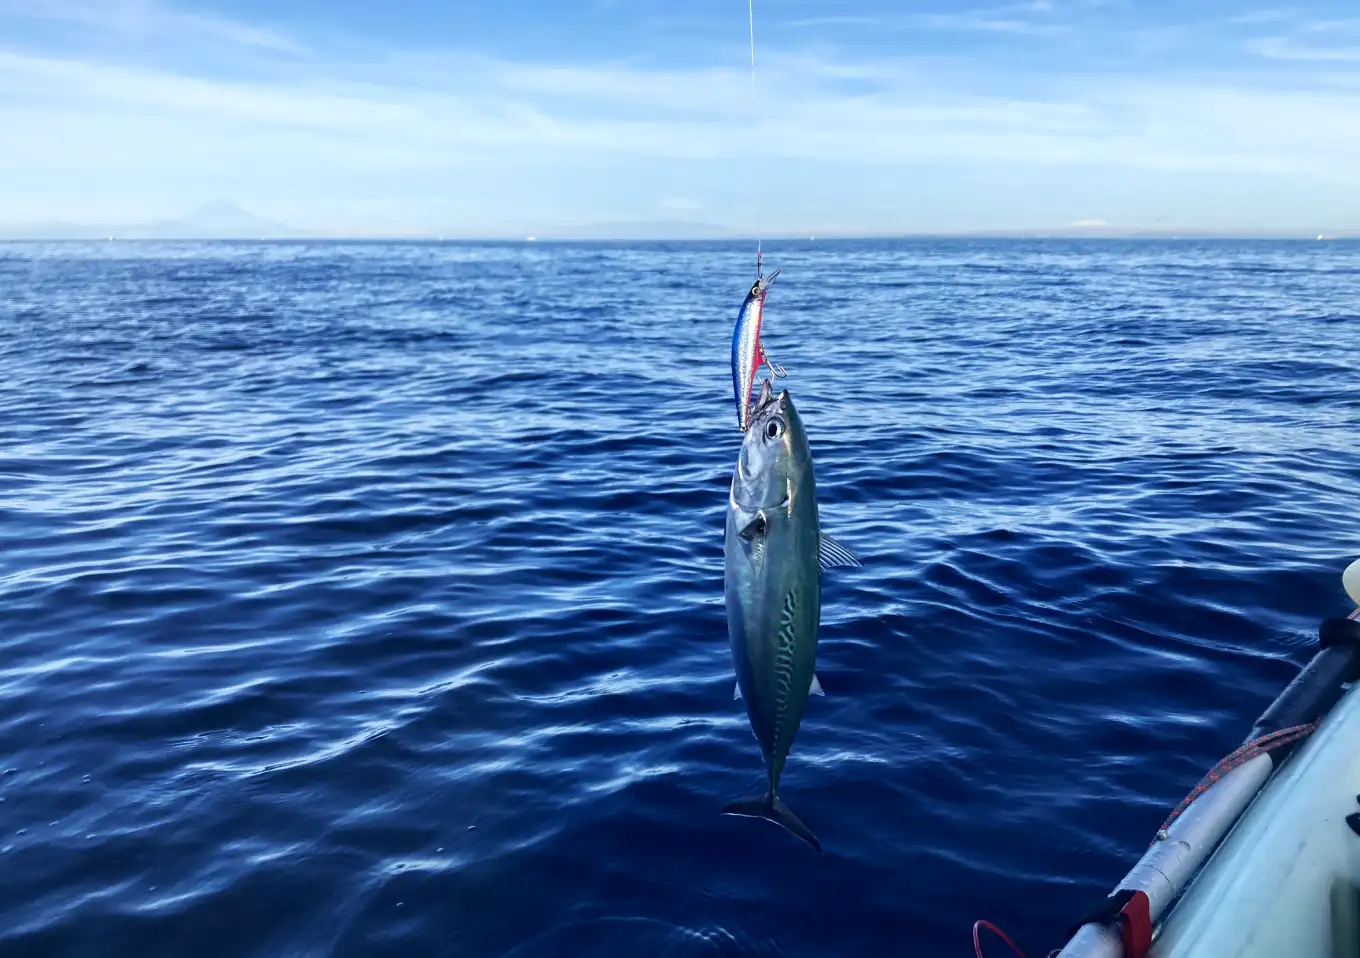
{"x": 21, "y": 236}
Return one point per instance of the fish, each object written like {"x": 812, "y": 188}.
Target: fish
{"x": 748, "y": 352}
{"x": 774, "y": 554}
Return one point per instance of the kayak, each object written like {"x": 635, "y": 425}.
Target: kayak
{"x": 1286, "y": 881}
{"x": 1262, "y": 859}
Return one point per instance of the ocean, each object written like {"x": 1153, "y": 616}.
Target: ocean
{"x": 365, "y": 599}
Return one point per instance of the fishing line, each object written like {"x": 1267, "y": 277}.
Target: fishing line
{"x": 755, "y": 109}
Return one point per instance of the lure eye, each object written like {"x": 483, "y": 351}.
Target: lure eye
{"x": 774, "y": 428}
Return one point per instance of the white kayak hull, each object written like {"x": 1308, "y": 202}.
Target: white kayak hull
{"x": 1286, "y": 880}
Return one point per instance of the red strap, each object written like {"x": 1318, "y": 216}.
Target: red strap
{"x": 1135, "y": 925}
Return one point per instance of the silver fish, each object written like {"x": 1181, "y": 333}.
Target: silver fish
{"x": 774, "y": 552}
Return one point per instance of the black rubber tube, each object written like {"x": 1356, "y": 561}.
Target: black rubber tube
{"x": 1319, "y": 685}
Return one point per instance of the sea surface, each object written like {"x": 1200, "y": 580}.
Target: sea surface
{"x": 366, "y": 599}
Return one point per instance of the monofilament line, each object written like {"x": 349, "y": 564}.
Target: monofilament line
{"x": 755, "y": 109}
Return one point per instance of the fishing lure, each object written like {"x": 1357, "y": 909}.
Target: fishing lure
{"x": 748, "y": 352}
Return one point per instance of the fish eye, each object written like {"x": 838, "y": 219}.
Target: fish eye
{"x": 755, "y": 290}
{"x": 774, "y": 428}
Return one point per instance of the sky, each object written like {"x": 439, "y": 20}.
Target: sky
{"x": 525, "y": 117}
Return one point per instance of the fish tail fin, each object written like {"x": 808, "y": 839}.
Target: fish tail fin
{"x": 770, "y": 808}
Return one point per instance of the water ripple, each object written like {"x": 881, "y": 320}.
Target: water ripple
{"x": 366, "y": 598}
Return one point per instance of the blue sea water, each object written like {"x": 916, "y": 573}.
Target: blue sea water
{"x": 366, "y": 599}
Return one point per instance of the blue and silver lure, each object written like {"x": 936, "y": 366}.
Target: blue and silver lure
{"x": 748, "y": 352}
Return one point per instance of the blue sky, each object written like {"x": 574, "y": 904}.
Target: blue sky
{"x": 518, "y": 117}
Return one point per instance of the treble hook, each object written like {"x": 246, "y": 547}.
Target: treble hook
{"x": 776, "y": 370}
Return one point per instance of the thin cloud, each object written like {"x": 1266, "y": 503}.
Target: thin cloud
{"x": 592, "y": 110}
{"x": 679, "y": 204}
{"x": 1264, "y": 16}
{"x": 1347, "y": 25}
{"x": 1285, "y": 48}
{"x": 1017, "y": 18}
{"x": 146, "y": 19}
{"x": 982, "y": 21}
{"x": 842, "y": 21}
{"x": 1316, "y": 40}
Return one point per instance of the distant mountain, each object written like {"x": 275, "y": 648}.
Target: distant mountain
{"x": 219, "y": 219}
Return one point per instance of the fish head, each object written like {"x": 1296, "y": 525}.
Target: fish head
{"x": 774, "y": 451}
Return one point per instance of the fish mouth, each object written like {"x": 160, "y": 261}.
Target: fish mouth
{"x": 764, "y": 400}
{"x": 756, "y": 407}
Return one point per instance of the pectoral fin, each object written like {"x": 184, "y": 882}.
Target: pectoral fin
{"x": 754, "y": 533}
{"x": 831, "y": 553}
{"x": 756, "y": 527}
{"x": 816, "y": 688}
